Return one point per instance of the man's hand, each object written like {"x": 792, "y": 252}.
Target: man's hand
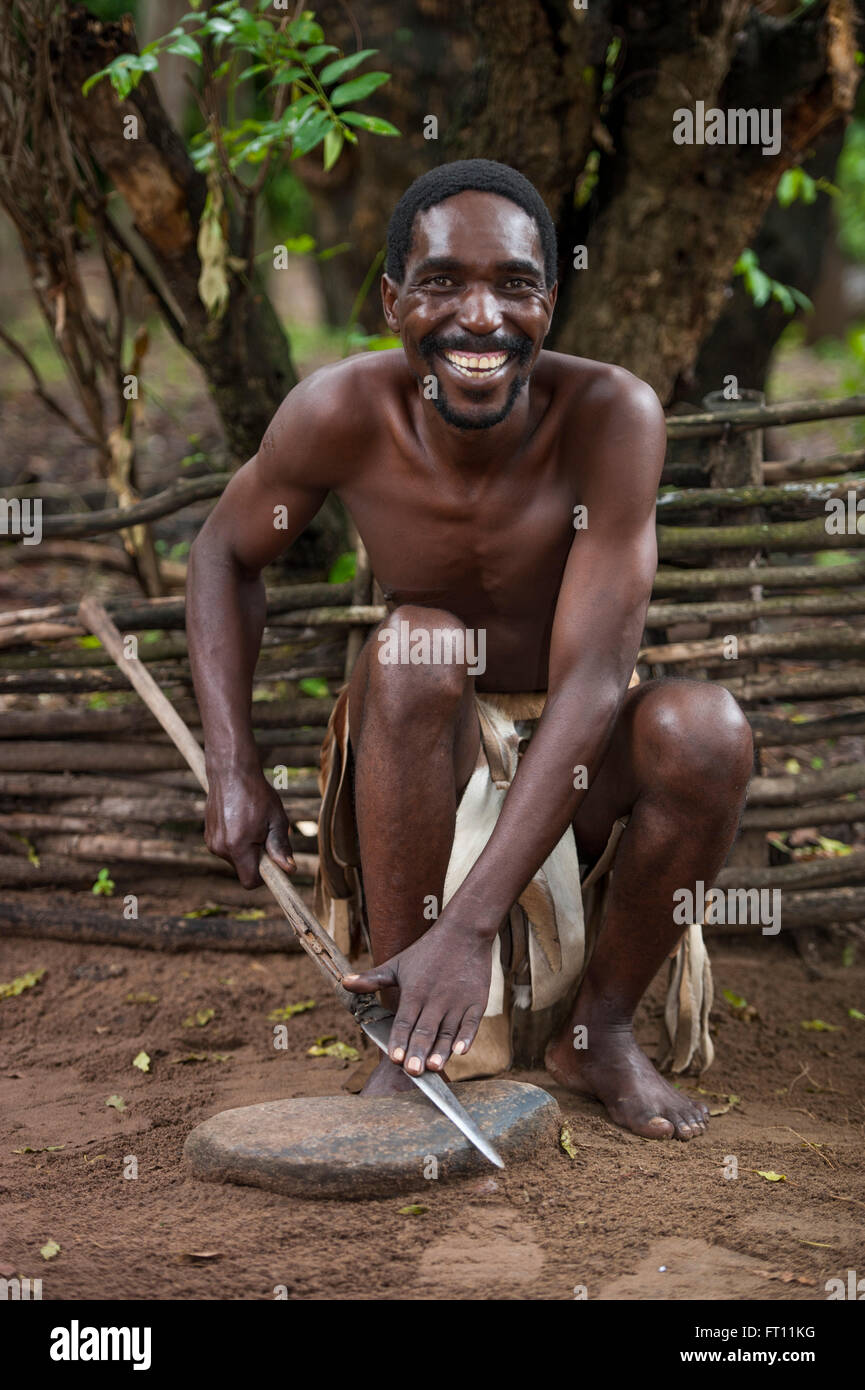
{"x": 444, "y": 983}
{"x": 244, "y": 814}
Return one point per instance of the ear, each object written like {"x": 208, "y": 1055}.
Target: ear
{"x": 389, "y": 296}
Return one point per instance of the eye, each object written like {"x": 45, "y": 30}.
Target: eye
{"x": 518, "y": 283}
{"x": 440, "y": 280}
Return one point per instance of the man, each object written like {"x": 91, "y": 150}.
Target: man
{"x": 506, "y": 498}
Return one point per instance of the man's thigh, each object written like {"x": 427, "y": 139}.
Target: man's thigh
{"x": 464, "y": 732}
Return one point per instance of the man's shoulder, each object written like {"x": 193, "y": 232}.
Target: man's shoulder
{"x": 329, "y": 410}
{"x": 590, "y": 387}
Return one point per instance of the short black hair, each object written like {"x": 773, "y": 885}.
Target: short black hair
{"x": 445, "y": 181}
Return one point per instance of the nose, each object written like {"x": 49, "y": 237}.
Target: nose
{"x": 479, "y": 311}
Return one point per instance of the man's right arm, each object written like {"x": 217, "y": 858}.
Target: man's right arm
{"x": 225, "y": 615}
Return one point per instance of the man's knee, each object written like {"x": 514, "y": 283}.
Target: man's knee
{"x": 697, "y": 739}
{"x": 419, "y": 660}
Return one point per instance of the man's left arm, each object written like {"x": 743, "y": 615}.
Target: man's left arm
{"x": 598, "y": 626}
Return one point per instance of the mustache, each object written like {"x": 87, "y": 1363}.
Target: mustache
{"x": 519, "y": 347}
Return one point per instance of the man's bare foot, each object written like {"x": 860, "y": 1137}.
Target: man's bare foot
{"x": 618, "y": 1073}
{"x": 388, "y": 1080}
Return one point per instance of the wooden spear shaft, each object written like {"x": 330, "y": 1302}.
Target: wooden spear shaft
{"x": 312, "y": 937}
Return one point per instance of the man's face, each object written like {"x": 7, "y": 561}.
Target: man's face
{"x": 473, "y": 309}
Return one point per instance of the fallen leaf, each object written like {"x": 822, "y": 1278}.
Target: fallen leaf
{"x": 768, "y": 1174}
{"x": 141, "y": 999}
{"x": 201, "y": 1255}
{"x": 816, "y": 1025}
{"x": 49, "y": 1250}
{"x": 566, "y": 1142}
{"x": 48, "y": 1149}
{"x": 199, "y": 1019}
{"x": 289, "y": 1010}
{"x": 142, "y": 1062}
{"x": 414, "y": 1210}
{"x": 208, "y": 910}
{"x": 331, "y": 1047}
{"x": 117, "y": 1102}
{"x": 190, "y": 1057}
{"x": 250, "y": 914}
{"x": 857, "y": 1014}
{"x": 20, "y": 983}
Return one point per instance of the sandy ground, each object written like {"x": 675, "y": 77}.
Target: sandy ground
{"x": 627, "y": 1218}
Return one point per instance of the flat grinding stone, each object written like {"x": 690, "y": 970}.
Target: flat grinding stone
{"x": 349, "y": 1146}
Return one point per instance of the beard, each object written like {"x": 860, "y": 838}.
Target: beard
{"x": 477, "y": 422}
{"x": 520, "y": 348}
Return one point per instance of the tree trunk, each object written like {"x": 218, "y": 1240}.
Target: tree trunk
{"x": 523, "y": 83}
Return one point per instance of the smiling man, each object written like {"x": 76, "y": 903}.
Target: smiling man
{"x": 471, "y": 817}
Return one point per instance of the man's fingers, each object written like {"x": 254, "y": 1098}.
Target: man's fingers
{"x": 420, "y": 1044}
{"x": 278, "y": 846}
{"x": 380, "y": 977}
{"x": 401, "y": 1028}
{"x": 467, "y": 1030}
{"x": 441, "y": 1048}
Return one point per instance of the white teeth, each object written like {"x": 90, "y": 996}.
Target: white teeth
{"x": 474, "y": 366}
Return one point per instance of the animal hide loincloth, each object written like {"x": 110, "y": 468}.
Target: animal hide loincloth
{"x": 542, "y": 949}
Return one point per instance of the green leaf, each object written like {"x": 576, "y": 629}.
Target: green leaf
{"x": 735, "y": 999}
{"x": 104, "y": 885}
{"x": 186, "y": 47}
{"x": 299, "y": 245}
{"x": 116, "y": 1102}
{"x": 309, "y": 133}
{"x": 374, "y": 124}
{"x": 816, "y": 1025}
{"x": 317, "y": 52}
{"x": 251, "y": 914}
{"x": 334, "y": 71}
{"x": 343, "y": 568}
{"x": 141, "y": 998}
{"x": 415, "y": 1209}
{"x": 566, "y": 1142}
{"x": 289, "y": 1011}
{"x": 199, "y": 1019}
{"x": 288, "y": 75}
{"x": 315, "y": 686}
{"x": 857, "y": 1014}
{"x": 770, "y": 1175}
{"x": 329, "y": 1046}
{"x": 142, "y": 1062}
{"x": 333, "y": 143}
{"x": 358, "y": 88}
{"x": 49, "y": 1250}
{"x": 20, "y": 983}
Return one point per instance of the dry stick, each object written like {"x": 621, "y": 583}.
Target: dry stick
{"x": 675, "y": 500}
{"x": 790, "y": 817}
{"x": 712, "y": 424}
{"x": 152, "y": 932}
{"x": 166, "y": 613}
{"x": 744, "y": 610}
{"x": 824, "y": 641}
{"x": 312, "y": 937}
{"x": 678, "y": 581}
